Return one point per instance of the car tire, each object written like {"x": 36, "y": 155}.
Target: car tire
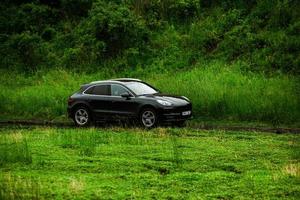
{"x": 82, "y": 116}
{"x": 148, "y": 118}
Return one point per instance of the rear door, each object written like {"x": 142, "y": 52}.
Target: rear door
{"x": 100, "y": 100}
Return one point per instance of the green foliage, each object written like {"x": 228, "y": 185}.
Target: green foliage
{"x": 28, "y": 49}
{"x": 217, "y": 92}
{"x": 116, "y": 26}
{"x": 145, "y": 38}
{"x": 229, "y": 4}
{"x": 74, "y": 8}
{"x": 168, "y": 9}
{"x": 82, "y": 34}
{"x": 43, "y": 95}
{"x": 205, "y": 35}
{"x": 27, "y": 17}
{"x": 48, "y": 33}
{"x": 225, "y": 92}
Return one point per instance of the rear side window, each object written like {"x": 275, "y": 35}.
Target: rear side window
{"x": 99, "y": 90}
{"x": 89, "y": 91}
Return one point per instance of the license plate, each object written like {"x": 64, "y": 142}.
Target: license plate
{"x": 186, "y": 113}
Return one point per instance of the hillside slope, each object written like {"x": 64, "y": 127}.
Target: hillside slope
{"x": 236, "y": 60}
{"x": 89, "y": 35}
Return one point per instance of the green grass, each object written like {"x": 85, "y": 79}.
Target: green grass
{"x": 218, "y": 92}
{"x": 221, "y": 91}
{"x": 14, "y": 149}
{"x": 163, "y": 163}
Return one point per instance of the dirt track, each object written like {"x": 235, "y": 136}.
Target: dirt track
{"x": 30, "y": 123}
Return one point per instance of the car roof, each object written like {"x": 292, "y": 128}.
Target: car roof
{"x": 117, "y": 80}
{"x": 125, "y": 79}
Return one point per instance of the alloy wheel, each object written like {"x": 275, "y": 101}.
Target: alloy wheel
{"x": 148, "y": 118}
{"x": 81, "y": 117}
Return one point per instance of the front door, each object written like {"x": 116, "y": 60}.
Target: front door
{"x": 121, "y": 106}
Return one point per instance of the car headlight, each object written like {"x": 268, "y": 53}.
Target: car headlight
{"x": 164, "y": 103}
{"x": 185, "y": 98}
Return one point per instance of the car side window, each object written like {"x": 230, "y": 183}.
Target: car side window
{"x": 99, "y": 90}
{"x": 89, "y": 91}
{"x": 118, "y": 90}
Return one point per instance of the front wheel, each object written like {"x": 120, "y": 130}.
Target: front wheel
{"x": 82, "y": 116}
{"x": 148, "y": 118}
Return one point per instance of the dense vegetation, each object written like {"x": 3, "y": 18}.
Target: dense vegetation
{"x": 89, "y": 34}
{"x": 47, "y": 163}
{"x": 217, "y": 91}
{"x": 241, "y": 56}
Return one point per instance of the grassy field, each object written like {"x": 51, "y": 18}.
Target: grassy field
{"x": 218, "y": 92}
{"x": 163, "y": 163}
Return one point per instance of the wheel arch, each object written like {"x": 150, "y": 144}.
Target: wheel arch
{"x": 143, "y": 107}
{"x": 80, "y": 104}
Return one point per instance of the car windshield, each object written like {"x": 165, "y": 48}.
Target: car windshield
{"x": 140, "y": 88}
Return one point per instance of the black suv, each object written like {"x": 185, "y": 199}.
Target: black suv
{"x": 126, "y": 99}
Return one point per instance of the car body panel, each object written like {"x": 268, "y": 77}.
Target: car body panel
{"x": 106, "y": 106}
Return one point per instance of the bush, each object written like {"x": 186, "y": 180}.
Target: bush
{"x": 206, "y": 34}
{"x": 167, "y": 10}
{"x": 75, "y": 8}
{"x": 29, "y": 50}
{"x": 48, "y": 33}
{"x": 88, "y": 34}
{"x": 116, "y": 26}
{"x": 32, "y": 17}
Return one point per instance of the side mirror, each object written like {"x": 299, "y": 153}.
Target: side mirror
{"x": 126, "y": 95}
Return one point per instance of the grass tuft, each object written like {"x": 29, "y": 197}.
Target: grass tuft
{"x": 15, "y": 187}
{"x": 14, "y": 148}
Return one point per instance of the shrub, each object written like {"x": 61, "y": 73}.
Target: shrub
{"x": 168, "y": 9}
{"x": 29, "y": 50}
{"x": 33, "y": 17}
{"x": 116, "y": 26}
{"x": 75, "y": 8}
{"x": 48, "y": 33}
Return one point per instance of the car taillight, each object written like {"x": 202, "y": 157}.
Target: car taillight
{"x": 70, "y": 101}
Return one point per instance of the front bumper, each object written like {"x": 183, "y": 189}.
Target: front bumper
{"x": 178, "y": 113}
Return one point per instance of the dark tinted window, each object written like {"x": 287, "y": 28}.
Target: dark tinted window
{"x": 89, "y": 91}
{"x": 99, "y": 90}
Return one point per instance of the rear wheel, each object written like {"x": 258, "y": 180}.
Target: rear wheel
{"x": 148, "y": 118}
{"x": 81, "y": 116}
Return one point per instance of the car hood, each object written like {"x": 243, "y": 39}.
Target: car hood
{"x": 175, "y": 100}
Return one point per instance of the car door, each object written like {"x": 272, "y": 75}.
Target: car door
{"x": 122, "y": 106}
{"x": 100, "y": 100}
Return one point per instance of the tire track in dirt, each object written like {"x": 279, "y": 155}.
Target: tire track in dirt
{"x": 65, "y": 124}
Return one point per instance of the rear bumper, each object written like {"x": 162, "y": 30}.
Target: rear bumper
{"x": 177, "y": 113}
{"x": 69, "y": 111}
